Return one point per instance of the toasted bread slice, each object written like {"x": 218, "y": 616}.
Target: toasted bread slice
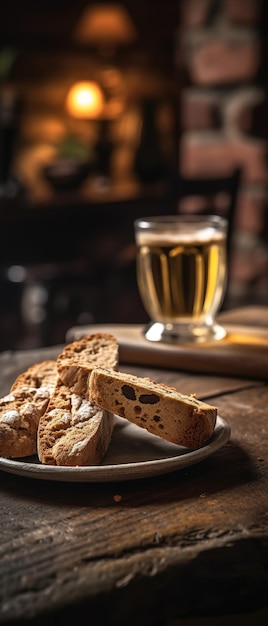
{"x": 42, "y": 374}
{"x": 77, "y": 360}
{"x": 73, "y": 431}
{"x": 22, "y": 408}
{"x": 162, "y": 410}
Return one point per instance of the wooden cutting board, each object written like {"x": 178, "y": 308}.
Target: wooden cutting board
{"x": 243, "y": 352}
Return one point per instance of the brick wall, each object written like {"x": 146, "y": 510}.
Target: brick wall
{"x": 220, "y": 56}
{"x": 221, "y": 60}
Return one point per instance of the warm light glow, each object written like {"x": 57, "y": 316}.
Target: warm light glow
{"x": 85, "y": 100}
{"x": 105, "y": 24}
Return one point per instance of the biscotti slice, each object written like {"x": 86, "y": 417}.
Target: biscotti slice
{"x": 21, "y": 409}
{"x": 42, "y": 374}
{"x": 73, "y": 431}
{"x": 77, "y": 360}
{"x": 20, "y": 412}
{"x": 162, "y": 410}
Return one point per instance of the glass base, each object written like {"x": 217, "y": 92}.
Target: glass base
{"x": 182, "y": 333}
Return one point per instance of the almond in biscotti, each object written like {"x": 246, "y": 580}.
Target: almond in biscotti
{"x": 162, "y": 410}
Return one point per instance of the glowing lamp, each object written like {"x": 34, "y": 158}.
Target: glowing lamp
{"x": 85, "y": 100}
{"x": 105, "y": 25}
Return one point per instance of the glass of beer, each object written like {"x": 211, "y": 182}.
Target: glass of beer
{"x": 182, "y": 275}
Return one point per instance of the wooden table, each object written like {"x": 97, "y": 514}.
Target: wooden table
{"x": 151, "y": 551}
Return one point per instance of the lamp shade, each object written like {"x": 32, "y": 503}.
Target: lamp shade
{"x": 85, "y": 100}
{"x": 105, "y": 24}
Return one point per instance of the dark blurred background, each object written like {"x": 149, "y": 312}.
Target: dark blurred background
{"x": 173, "y": 87}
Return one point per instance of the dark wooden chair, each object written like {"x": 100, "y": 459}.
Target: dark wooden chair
{"x": 209, "y": 195}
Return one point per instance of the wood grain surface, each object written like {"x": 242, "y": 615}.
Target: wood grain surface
{"x": 243, "y": 352}
{"x": 147, "y": 552}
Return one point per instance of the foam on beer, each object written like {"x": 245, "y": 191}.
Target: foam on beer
{"x": 167, "y": 236}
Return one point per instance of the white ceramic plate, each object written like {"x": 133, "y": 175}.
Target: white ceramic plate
{"x": 133, "y": 453}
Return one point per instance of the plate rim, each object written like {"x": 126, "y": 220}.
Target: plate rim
{"x": 120, "y": 471}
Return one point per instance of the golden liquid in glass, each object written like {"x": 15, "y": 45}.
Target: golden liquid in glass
{"x": 181, "y": 280}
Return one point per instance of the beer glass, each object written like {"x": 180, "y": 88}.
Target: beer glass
{"x": 181, "y": 275}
